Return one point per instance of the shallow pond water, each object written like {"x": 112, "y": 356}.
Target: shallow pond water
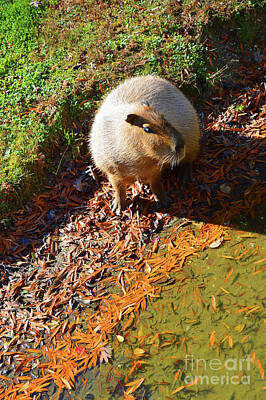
{"x": 202, "y": 339}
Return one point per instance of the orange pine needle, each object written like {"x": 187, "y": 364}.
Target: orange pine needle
{"x": 224, "y": 290}
{"x": 185, "y": 386}
{"x": 242, "y": 254}
{"x": 117, "y": 373}
{"x": 260, "y": 368}
{"x": 177, "y": 374}
{"x": 132, "y": 369}
{"x": 212, "y": 338}
{"x": 242, "y": 310}
{"x": 256, "y": 308}
{"x": 128, "y": 323}
{"x": 178, "y": 389}
{"x": 253, "y": 356}
{"x": 4, "y": 377}
{"x": 213, "y": 300}
{"x": 258, "y": 271}
{"x": 244, "y": 338}
{"x": 259, "y": 261}
{"x": 101, "y": 89}
{"x": 193, "y": 382}
{"x": 230, "y": 341}
{"x": 134, "y": 385}
{"x": 229, "y": 274}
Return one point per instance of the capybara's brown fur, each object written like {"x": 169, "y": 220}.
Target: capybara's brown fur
{"x": 143, "y": 126}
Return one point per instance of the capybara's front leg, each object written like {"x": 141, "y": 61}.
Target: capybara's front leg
{"x": 158, "y": 191}
{"x": 119, "y": 186}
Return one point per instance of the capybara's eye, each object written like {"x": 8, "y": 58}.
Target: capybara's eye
{"x": 147, "y": 129}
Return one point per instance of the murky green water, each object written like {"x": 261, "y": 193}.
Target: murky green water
{"x": 208, "y": 324}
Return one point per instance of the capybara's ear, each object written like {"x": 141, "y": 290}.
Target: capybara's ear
{"x": 133, "y": 119}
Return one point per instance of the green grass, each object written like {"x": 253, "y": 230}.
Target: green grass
{"x": 18, "y": 31}
{"x": 32, "y": 113}
{"x": 58, "y": 58}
